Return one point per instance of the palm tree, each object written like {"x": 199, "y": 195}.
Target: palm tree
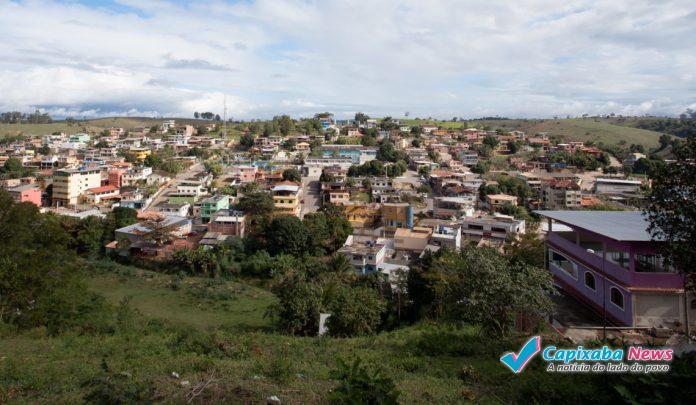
{"x": 340, "y": 264}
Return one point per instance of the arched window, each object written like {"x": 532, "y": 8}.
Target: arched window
{"x": 590, "y": 281}
{"x": 616, "y": 297}
{"x": 693, "y": 304}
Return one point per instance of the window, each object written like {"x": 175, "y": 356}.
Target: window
{"x": 616, "y": 297}
{"x": 651, "y": 263}
{"x": 590, "y": 281}
{"x": 693, "y": 304}
{"x": 563, "y": 263}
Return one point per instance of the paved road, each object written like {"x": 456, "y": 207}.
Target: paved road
{"x": 160, "y": 195}
{"x": 310, "y": 195}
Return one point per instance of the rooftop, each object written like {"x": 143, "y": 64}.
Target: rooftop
{"x": 627, "y": 226}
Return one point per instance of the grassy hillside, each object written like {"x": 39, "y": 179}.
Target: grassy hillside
{"x": 205, "y": 330}
{"x": 201, "y": 303}
{"x": 608, "y": 131}
{"x": 597, "y": 131}
{"x": 196, "y": 340}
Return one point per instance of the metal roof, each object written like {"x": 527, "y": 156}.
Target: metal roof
{"x": 628, "y": 226}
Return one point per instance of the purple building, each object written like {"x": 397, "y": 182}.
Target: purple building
{"x": 607, "y": 261}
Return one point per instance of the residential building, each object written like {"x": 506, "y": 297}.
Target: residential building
{"x": 608, "y": 261}
{"x": 69, "y": 185}
{"x": 495, "y": 201}
{"x": 613, "y": 186}
{"x": 415, "y": 239}
{"x": 140, "y": 153}
{"x": 561, "y": 194}
{"x": 212, "y": 205}
{"x": 244, "y": 173}
{"x": 397, "y": 215}
{"x": 30, "y": 193}
{"x": 362, "y": 216}
{"x": 286, "y": 199}
{"x": 228, "y": 222}
{"x": 447, "y": 236}
{"x": 98, "y": 194}
{"x": 79, "y": 138}
{"x": 194, "y": 188}
{"x": 453, "y": 207}
{"x": 179, "y": 210}
{"x": 178, "y": 226}
{"x": 494, "y": 229}
{"x": 364, "y": 254}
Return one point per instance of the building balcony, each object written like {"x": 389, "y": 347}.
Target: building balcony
{"x": 665, "y": 280}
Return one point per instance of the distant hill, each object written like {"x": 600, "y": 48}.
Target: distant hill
{"x": 95, "y": 125}
{"x": 571, "y": 129}
{"x": 611, "y": 131}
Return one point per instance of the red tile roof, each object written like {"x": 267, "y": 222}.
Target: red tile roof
{"x": 102, "y": 189}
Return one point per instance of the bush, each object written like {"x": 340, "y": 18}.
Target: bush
{"x": 117, "y": 388}
{"x": 357, "y": 385}
{"x": 356, "y": 311}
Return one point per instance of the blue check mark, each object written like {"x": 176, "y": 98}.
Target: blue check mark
{"x": 517, "y": 361}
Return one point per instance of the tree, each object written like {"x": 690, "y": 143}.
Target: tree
{"x": 299, "y": 305}
{"x": 246, "y": 140}
{"x": 196, "y": 115}
{"x": 490, "y": 141}
{"x": 153, "y": 160}
{"x": 292, "y": 175}
{"x": 328, "y": 232}
{"x": 356, "y": 311}
{"x": 256, "y": 203}
{"x": 340, "y": 264}
{"x": 286, "y": 125}
{"x": 671, "y": 208}
{"x": 479, "y": 285}
{"x": 527, "y": 248}
{"x": 361, "y": 118}
{"x": 13, "y": 165}
{"x": 214, "y": 168}
{"x": 287, "y": 234}
{"x": 40, "y": 282}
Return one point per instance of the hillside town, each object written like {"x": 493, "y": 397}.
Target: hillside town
{"x": 405, "y": 190}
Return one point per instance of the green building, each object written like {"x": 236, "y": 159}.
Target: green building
{"x": 211, "y": 205}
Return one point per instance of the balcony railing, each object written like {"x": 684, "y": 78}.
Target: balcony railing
{"x": 625, "y": 276}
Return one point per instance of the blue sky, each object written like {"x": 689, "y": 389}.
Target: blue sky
{"x": 444, "y": 58}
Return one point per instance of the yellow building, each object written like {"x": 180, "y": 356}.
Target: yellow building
{"x": 69, "y": 185}
{"x": 361, "y": 215}
{"x": 397, "y": 215}
{"x": 287, "y": 199}
{"x": 140, "y": 153}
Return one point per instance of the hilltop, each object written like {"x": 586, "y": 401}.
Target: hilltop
{"x": 607, "y": 131}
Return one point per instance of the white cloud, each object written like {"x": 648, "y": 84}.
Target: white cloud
{"x": 441, "y": 58}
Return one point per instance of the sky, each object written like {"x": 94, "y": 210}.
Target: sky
{"x": 435, "y": 58}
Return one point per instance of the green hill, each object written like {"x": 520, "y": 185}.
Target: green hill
{"x": 579, "y": 129}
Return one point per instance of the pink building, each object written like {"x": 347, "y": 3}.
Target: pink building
{"x": 27, "y": 193}
{"x": 115, "y": 177}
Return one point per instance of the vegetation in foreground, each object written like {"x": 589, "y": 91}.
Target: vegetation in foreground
{"x": 173, "y": 358}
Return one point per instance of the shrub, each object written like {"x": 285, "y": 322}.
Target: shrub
{"x": 356, "y": 311}
{"x": 358, "y": 385}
